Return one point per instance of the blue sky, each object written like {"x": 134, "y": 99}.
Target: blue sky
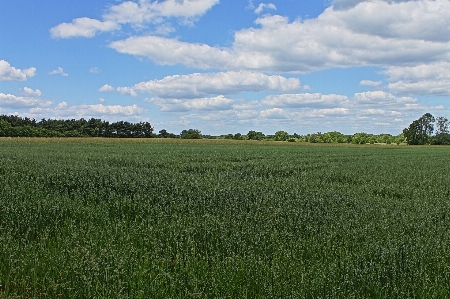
{"x": 228, "y": 66}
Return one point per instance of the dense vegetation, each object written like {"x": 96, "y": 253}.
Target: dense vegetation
{"x": 155, "y": 218}
{"x": 419, "y": 131}
{"x": 15, "y": 126}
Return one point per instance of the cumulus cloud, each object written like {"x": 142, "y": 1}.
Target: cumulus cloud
{"x": 381, "y": 99}
{"x": 370, "y": 83}
{"x": 346, "y": 4}
{"x": 210, "y": 84}
{"x": 64, "y": 110}
{"x": 58, "y": 71}
{"x": 106, "y": 88}
{"x": 218, "y": 103}
{"x": 423, "y": 79}
{"x": 82, "y": 27}
{"x": 167, "y": 51}
{"x": 137, "y": 14}
{"x": 32, "y": 93}
{"x": 263, "y": 6}
{"x": 372, "y": 33}
{"x": 10, "y": 73}
{"x": 305, "y": 100}
{"x": 13, "y": 101}
{"x": 274, "y": 113}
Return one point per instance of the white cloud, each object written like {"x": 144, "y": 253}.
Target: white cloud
{"x": 154, "y": 11}
{"x": 136, "y": 14}
{"x": 218, "y": 103}
{"x": 339, "y": 111}
{"x": 424, "y": 79}
{"x": 381, "y": 99}
{"x": 164, "y": 29}
{"x": 58, "y": 71}
{"x": 82, "y": 27}
{"x": 370, "y": 83}
{"x": 388, "y": 34}
{"x": 32, "y": 93}
{"x": 423, "y": 87}
{"x": 210, "y": 84}
{"x": 305, "y": 100}
{"x": 171, "y": 51}
{"x": 417, "y": 20}
{"x": 9, "y": 73}
{"x": 274, "y": 113}
{"x": 126, "y": 90}
{"x": 263, "y": 6}
{"x": 106, "y": 88}
{"x": 346, "y": 4}
{"x": 12, "y": 101}
{"x": 64, "y": 110}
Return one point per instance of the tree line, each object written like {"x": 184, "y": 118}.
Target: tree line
{"x": 15, "y": 126}
{"x": 420, "y": 131}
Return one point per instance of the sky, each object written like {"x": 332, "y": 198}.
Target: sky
{"x": 228, "y": 66}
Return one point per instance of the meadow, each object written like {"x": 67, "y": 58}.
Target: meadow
{"x": 154, "y": 218}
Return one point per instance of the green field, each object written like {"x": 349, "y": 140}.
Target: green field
{"x": 96, "y": 218}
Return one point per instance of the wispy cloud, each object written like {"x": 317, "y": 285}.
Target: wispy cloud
{"x": 263, "y": 6}
{"x": 58, "y": 71}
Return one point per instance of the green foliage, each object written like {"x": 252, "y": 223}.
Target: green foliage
{"x": 419, "y": 131}
{"x": 253, "y": 135}
{"x": 281, "y": 136}
{"x": 164, "y": 134}
{"x": 25, "y": 127}
{"x": 191, "y": 134}
{"x": 106, "y": 218}
{"x": 442, "y": 135}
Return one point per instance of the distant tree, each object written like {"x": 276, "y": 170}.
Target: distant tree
{"x": 334, "y": 137}
{"x": 163, "y": 134}
{"x": 442, "y": 135}
{"x": 314, "y": 138}
{"x": 419, "y": 131}
{"x": 191, "y": 134}
{"x": 361, "y": 138}
{"x": 238, "y": 136}
{"x": 253, "y": 135}
{"x": 281, "y": 136}
{"x": 5, "y": 128}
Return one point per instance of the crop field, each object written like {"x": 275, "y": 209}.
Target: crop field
{"x": 153, "y": 218}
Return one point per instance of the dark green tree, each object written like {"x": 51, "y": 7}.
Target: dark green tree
{"x": 191, "y": 134}
{"x": 419, "y": 131}
{"x": 442, "y": 135}
{"x": 163, "y": 134}
{"x": 237, "y": 136}
{"x": 253, "y": 135}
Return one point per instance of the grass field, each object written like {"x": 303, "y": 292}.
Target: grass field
{"x": 108, "y": 218}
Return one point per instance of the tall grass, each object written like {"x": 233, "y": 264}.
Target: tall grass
{"x": 119, "y": 219}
